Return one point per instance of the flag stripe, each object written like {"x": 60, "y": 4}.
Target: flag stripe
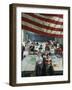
{"x": 44, "y": 19}
{"x": 57, "y": 15}
{"x": 51, "y": 17}
{"x": 41, "y": 29}
{"x": 42, "y": 22}
{"x": 40, "y": 32}
{"x": 41, "y": 25}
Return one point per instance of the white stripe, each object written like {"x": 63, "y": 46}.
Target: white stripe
{"x": 47, "y": 17}
{"x": 41, "y": 29}
{"x": 50, "y": 17}
{"x": 42, "y": 22}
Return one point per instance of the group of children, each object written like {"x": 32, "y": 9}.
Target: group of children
{"x": 43, "y": 52}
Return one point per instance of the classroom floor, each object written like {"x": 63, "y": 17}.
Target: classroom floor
{"x": 28, "y": 65}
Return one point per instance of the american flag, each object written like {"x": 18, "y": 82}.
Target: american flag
{"x": 44, "y": 24}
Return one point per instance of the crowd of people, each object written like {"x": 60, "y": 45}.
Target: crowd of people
{"x": 43, "y": 52}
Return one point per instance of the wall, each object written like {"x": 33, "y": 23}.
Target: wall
{"x": 60, "y": 40}
{"x": 4, "y": 45}
{"x": 39, "y": 38}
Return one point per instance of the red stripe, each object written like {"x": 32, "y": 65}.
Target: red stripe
{"x": 40, "y": 25}
{"x": 40, "y": 32}
{"x": 55, "y": 15}
{"x": 44, "y": 19}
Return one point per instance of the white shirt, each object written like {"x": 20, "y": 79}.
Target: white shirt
{"x": 52, "y": 50}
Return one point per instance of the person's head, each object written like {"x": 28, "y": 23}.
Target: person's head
{"x": 50, "y": 62}
{"x": 52, "y": 46}
{"x": 39, "y": 53}
{"x": 47, "y": 55}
